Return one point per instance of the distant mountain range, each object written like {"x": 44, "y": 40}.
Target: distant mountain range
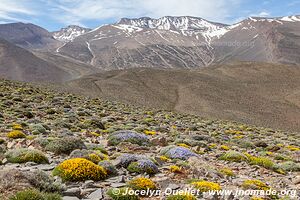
{"x": 167, "y": 42}
{"x": 186, "y": 42}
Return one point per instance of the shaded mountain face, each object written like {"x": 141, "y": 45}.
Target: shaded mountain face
{"x": 19, "y": 64}
{"x": 186, "y": 42}
{"x": 28, "y": 36}
{"x": 69, "y": 33}
{"x": 255, "y": 93}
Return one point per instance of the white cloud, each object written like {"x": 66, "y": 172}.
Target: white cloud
{"x": 10, "y": 10}
{"x": 76, "y": 11}
{"x": 80, "y": 11}
{"x": 264, "y": 14}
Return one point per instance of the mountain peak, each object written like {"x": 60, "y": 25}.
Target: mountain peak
{"x": 69, "y": 33}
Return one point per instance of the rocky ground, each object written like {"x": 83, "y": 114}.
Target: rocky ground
{"x": 62, "y": 146}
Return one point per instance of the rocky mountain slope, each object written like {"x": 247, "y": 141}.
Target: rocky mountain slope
{"x": 69, "y": 33}
{"x": 186, "y": 42}
{"x": 87, "y": 148}
{"x": 258, "y": 93}
{"x": 168, "y": 42}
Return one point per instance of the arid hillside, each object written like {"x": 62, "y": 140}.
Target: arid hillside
{"x": 263, "y": 94}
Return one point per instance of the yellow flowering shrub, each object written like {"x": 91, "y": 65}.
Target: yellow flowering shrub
{"x": 261, "y": 161}
{"x": 213, "y": 145}
{"x": 269, "y": 153}
{"x": 239, "y": 137}
{"x": 97, "y": 157}
{"x": 94, "y": 158}
{"x": 293, "y": 148}
{"x": 17, "y": 127}
{"x": 255, "y": 185}
{"x": 175, "y": 169}
{"x": 95, "y": 134}
{"x": 227, "y": 172}
{"x": 233, "y": 156}
{"x": 79, "y": 169}
{"x": 149, "y": 132}
{"x": 279, "y": 145}
{"x": 183, "y": 145}
{"x": 142, "y": 184}
{"x": 205, "y": 186}
{"x": 224, "y": 147}
{"x": 164, "y": 158}
{"x": 233, "y": 132}
{"x": 16, "y": 134}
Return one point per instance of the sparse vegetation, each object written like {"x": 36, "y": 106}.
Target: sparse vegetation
{"x": 143, "y": 166}
{"x": 64, "y": 145}
{"x": 26, "y": 155}
{"x": 205, "y": 186}
{"x": 185, "y": 150}
{"x": 35, "y": 195}
{"x": 255, "y": 185}
{"x": 142, "y": 184}
{"x": 128, "y": 136}
{"x": 15, "y": 134}
{"x": 233, "y": 156}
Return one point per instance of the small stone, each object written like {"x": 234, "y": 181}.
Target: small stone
{"x": 29, "y": 164}
{"x": 46, "y": 167}
{"x": 87, "y": 191}
{"x": 96, "y": 195}
{"x": 11, "y": 144}
{"x": 297, "y": 180}
{"x": 4, "y": 161}
{"x": 72, "y": 192}
{"x": 88, "y": 184}
{"x": 70, "y": 198}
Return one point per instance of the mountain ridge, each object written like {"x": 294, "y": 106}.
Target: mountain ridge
{"x": 69, "y": 33}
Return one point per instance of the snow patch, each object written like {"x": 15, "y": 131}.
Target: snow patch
{"x": 69, "y": 33}
{"x": 128, "y": 28}
{"x": 287, "y": 19}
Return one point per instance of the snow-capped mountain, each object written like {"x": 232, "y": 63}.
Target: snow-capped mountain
{"x": 69, "y": 33}
{"x": 185, "y": 25}
{"x": 186, "y": 42}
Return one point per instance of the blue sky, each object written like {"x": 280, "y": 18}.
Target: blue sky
{"x": 55, "y": 14}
